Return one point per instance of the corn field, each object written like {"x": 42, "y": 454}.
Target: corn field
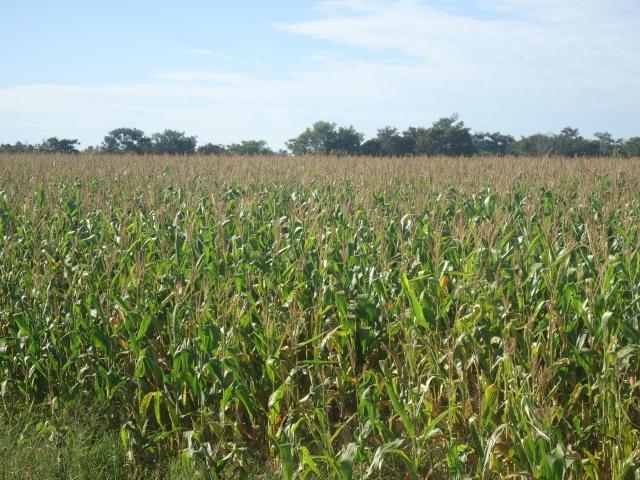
{"x": 347, "y": 318}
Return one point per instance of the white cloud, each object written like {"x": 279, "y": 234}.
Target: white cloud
{"x": 551, "y": 62}
{"x": 560, "y": 41}
{"x": 216, "y": 107}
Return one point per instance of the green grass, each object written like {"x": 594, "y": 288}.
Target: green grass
{"x": 75, "y": 442}
{"x": 319, "y": 318}
{"x": 44, "y": 448}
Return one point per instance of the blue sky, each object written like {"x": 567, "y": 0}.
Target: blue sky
{"x": 227, "y": 71}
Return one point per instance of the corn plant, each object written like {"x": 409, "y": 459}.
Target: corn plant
{"x": 331, "y": 317}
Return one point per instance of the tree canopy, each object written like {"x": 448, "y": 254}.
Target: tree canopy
{"x": 173, "y": 142}
{"x": 323, "y": 138}
{"x": 59, "y": 145}
{"x": 447, "y": 136}
{"x": 249, "y": 147}
{"x": 126, "y": 140}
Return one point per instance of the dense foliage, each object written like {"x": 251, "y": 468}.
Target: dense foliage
{"x": 357, "y": 319}
{"x": 447, "y": 136}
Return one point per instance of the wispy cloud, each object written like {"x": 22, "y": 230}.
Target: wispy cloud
{"x": 214, "y": 106}
{"x": 526, "y": 60}
{"x": 539, "y": 38}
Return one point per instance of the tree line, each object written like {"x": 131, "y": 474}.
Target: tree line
{"x": 135, "y": 141}
{"x": 446, "y": 136}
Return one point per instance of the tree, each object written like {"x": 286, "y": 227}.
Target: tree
{"x": 250, "y": 147}
{"x": 371, "y": 147}
{"x": 606, "y": 144}
{"x": 323, "y": 138}
{"x": 631, "y": 147}
{"x": 538, "y": 144}
{"x": 566, "y": 142}
{"x": 485, "y": 143}
{"x": 346, "y": 141}
{"x": 447, "y": 136}
{"x": 413, "y": 136}
{"x": 570, "y": 143}
{"x": 59, "y": 145}
{"x": 173, "y": 142}
{"x": 212, "y": 149}
{"x": 18, "y": 147}
{"x": 315, "y": 140}
{"x": 391, "y": 143}
{"x": 126, "y": 140}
